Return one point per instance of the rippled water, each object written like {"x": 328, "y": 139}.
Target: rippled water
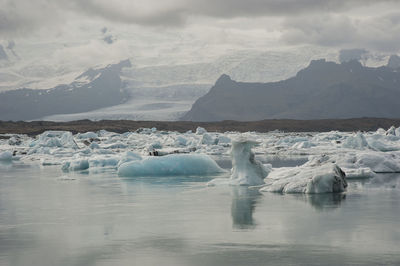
{"x": 50, "y": 218}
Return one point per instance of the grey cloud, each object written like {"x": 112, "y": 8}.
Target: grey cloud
{"x": 11, "y": 45}
{"x": 26, "y": 15}
{"x": 21, "y": 17}
{"x": 346, "y": 55}
{"x": 321, "y": 30}
{"x": 380, "y": 33}
{"x": 325, "y": 23}
{"x": 177, "y": 12}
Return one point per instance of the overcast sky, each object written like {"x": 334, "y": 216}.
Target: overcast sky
{"x": 166, "y": 31}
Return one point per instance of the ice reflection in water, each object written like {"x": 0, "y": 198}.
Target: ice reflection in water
{"x": 244, "y": 202}
{"x": 104, "y": 220}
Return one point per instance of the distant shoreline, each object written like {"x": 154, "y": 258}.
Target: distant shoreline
{"x": 120, "y": 126}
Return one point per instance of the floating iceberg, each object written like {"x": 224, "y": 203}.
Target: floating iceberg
{"x": 87, "y": 135}
{"x": 128, "y": 157}
{"x": 246, "y": 170}
{"x": 170, "y": 165}
{"x": 75, "y": 165}
{"x": 308, "y": 178}
{"x": 60, "y": 139}
{"x": 6, "y": 156}
{"x": 358, "y": 142}
{"x": 378, "y": 162}
{"x": 98, "y": 161}
{"x": 200, "y": 131}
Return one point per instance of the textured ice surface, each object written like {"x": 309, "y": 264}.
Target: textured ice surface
{"x": 246, "y": 170}
{"x": 174, "y": 164}
{"x": 60, "y": 139}
{"x": 360, "y": 155}
{"x": 309, "y": 178}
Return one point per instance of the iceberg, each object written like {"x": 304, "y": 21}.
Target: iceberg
{"x": 309, "y": 178}
{"x": 378, "y": 162}
{"x": 128, "y": 157}
{"x": 246, "y": 170}
{"x": 6, "y": 156}
{"x": 170, "y": 165}
{"x": 358, "y": 142}
{"x": 87, "y": 135}
{"x": 59, "y": 139}
{"x": 200, "y": 131}
{"x": 208, "y": 140}
{"x": 75, "y": 165}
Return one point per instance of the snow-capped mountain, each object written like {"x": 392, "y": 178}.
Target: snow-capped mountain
{"x": 92, "y": 90}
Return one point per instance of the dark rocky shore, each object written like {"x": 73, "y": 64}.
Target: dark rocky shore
{"x": 286, "y": 125}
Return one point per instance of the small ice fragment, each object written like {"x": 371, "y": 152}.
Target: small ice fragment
{"x": 87, "y": 135}
{"x": 200, "y": 131}
{"x": 76, "y": 165}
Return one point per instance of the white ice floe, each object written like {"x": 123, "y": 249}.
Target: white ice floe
{"x": 357, "y": 141}
{"x": 378, "y": 162}
{"x": 173, "y": 164}
{"x": 200, "y": 131}
{"x": 128, "y": 157}
{"x": 76, "y": 165}
{"x": 309, "y": 178}
{"x": 60, "y": 139}
{"x": 87, "y": 135}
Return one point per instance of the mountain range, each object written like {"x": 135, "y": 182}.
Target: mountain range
{"x": 321, "y": 90}
{"x": 95, "y": 88}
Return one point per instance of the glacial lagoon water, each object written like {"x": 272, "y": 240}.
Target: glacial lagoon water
{"x": 48, "y": 217}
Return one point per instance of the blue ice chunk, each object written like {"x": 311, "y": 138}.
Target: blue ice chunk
{"x": 171, "y": 165}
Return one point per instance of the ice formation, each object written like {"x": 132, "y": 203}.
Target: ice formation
{"x": 6, "y": 156}
{"x": 313, "y": 177}
{"x": 174, "y": 164}
{"x": 60, "y": 139}
{"x": 246, "y": 170}
{"x": 361, "y": 155}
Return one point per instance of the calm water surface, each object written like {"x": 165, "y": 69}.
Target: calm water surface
{"x": 51, "y": 218}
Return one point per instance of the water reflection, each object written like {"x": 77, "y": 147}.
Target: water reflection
{"x": 244, "y": 201}
{"x": 168, "y": 180}
{"x": 323, "y": 202}
{"x": 288, "y": 161}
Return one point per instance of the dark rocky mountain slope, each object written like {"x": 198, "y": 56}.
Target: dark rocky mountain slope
{"x": 96, "y": 88}
{"x": 323, "y": 90}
